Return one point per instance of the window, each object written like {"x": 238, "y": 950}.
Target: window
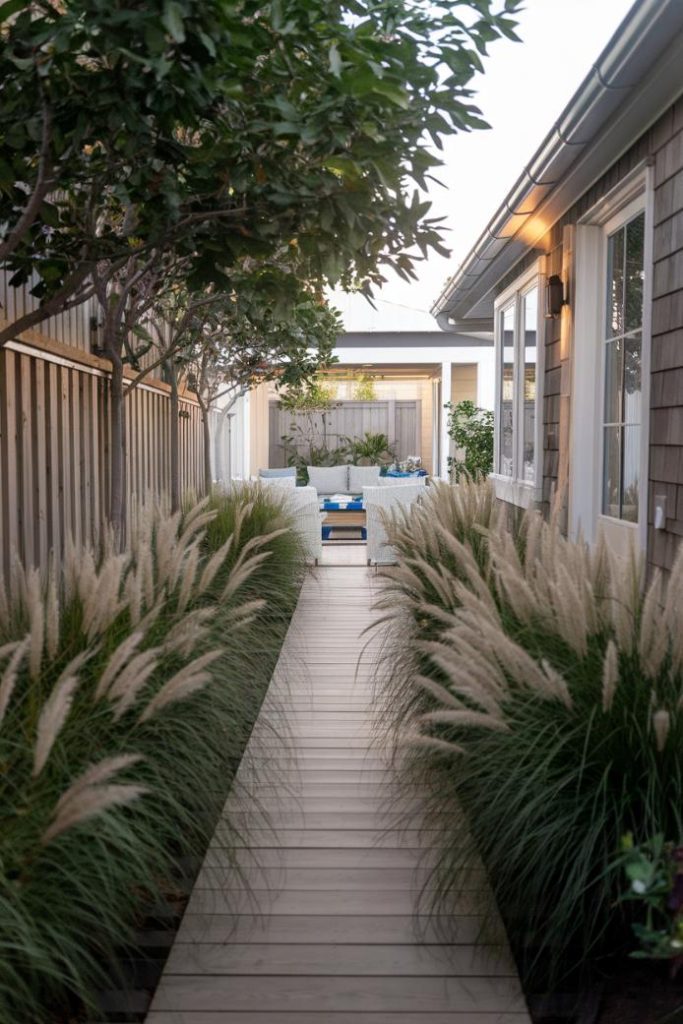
{"x": 609, "y": 449}
{"x": 517, "y": 354}
{"x": 623, "y": 342}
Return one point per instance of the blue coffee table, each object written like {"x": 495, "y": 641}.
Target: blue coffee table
{"x": 347, "y": 515}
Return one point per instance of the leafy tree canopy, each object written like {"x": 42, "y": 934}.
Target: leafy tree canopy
{"x": 226, "y": 129}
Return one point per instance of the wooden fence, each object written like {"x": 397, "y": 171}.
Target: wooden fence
{"x": 54, "y": 448}
{"x": 399, "y": 420}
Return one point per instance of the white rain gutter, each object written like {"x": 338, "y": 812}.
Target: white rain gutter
{"x": 638, "y": 74}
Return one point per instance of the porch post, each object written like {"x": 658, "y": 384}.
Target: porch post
{"x": 445, "y": 446}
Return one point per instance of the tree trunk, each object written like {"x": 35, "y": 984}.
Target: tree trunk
{"x": 174, "y": 438}
{"x": 117, "y": 487}
{"x": 207, "y": 449}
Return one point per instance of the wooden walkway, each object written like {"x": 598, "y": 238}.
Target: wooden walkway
{"x": 319, "y": 925}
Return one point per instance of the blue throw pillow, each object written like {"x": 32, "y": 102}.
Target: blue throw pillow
{"x": 266, "y": 473}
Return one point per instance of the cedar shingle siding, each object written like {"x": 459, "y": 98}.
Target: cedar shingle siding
{"x": 663, "y": 143}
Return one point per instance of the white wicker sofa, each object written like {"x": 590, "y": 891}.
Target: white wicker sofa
{"x": 378, "y": 500}
{"x": 346, "y": 479}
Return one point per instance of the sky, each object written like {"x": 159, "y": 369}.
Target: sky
{"x": 524, "y": 88}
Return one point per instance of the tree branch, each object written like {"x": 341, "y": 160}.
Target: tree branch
{"x": 40, "y": 189}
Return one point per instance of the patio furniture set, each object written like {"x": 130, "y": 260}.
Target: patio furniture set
{"x": 346, "y": 499}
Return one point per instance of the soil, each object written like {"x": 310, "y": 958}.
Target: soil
{"x": 642, "y": 993}
{"x": 632, "y": 992}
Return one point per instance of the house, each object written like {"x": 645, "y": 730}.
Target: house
{"x": 579, "y": 276}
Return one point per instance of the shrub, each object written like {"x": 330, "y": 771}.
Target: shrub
{"x": 537, "y": 684}
{"x": 128, "y": 685}
{"x": 372, "y": 449}
{"x": 471, "y": 430}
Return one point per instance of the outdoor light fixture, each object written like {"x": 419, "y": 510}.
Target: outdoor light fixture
{"x": 554, "y": 297}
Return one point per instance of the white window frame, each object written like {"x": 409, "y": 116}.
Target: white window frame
{"x": 515, "y": 489}
{"x": 633, "y": 195}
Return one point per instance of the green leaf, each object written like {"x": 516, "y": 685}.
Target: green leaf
{"x": 11, "y": 7}
{"x": 394, "y": 93}
{"x": 172, "y": 20}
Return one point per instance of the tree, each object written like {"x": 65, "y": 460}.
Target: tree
{"x": 364, "y": 389}
{"x": 139, "y": 137}
{"x": 471, "y": 430}
{"x": 227, "y": 129}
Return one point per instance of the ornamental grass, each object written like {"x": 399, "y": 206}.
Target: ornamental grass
{"x": 129, "y": 683}
{"x": 537, "y": 684}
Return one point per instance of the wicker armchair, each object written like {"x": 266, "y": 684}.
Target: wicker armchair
{"x": 379, "y": 499}
{"x": 303, "y": 504}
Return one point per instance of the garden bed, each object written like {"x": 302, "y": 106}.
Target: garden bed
{"x": 535, "y": 683}
{"x": 127, "y": 711}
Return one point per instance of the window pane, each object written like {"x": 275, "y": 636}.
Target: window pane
{"x": 614, "y": 375}
{"x": 611, "y": 472}
{"x": 630, "y": 473}
{"x": 506, "y": 396}
{"x": 530, "y": 321}
{"x": 632, "y": 378}
{"x": 615, "y": 283}
{"x": 633, "y": 308}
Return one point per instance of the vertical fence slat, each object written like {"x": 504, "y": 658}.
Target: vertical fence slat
{"x": 27, "y": 546}
{"x": 40, "y": 445}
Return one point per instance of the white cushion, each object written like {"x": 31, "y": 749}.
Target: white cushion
{"x": 328, "y": 479}
{"x": 362, "y": 476}
{"x": 278, "y": 481}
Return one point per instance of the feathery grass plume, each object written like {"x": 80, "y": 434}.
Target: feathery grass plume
{"x": 661, "y": 723}
{"x": 654, "y": 639}
{"x": 52, "y": 616}
{"x": 132, "y": 593}
{"x": 466, "y": 679}
{"x": 188, "y": 632}
{"x": 52, "y": 718}
{"x": 557, "y": 684}
{"x": 432, "y": 743}
{"x": 4, "y": 604}
{"x": 190, "y": 565}
{"x": 440, "y": 692}
{"x": 239, "y": 574}
{"x": 214, "y": 564}
{"x": 132, "y": 679}
{"x": 91, "y": 803}
{"x": 116, "y": 662}
{"x": 8, "y": 680}
{"x": 468, "y": 719}
{"x": 36, "y": 616}
{"x": 610, "y": 675}
{"x": 96, "y": 775}
{"x": 145, "y": 571}
{"x": 102, "y": 607}
{"x": 166, "y": 546}
{"x": 625, "y": 598}
{"x": 245, "y": 613}
{"x": 180, "y": 686}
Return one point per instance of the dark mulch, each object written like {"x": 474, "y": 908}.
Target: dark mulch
{"x": 642, "y": 993}
{"x": 632, "y": 992}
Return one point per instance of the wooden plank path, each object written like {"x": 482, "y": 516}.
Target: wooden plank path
{"x": 318, "y": 924}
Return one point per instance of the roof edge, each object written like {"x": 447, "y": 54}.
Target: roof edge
{"x": 629, "y": 82}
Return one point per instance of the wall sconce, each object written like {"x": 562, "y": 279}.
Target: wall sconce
{"x": 554, "y": 297}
